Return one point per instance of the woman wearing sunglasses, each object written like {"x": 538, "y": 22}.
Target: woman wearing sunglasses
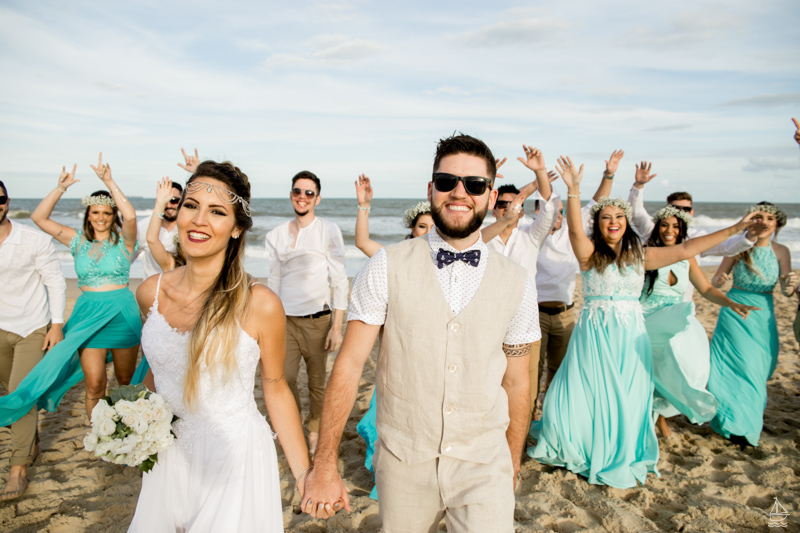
{"x": 105, "y": 317}
{"x": 418, "y": 219}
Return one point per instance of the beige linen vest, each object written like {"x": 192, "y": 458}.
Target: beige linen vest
{"x": 439, "y": 374}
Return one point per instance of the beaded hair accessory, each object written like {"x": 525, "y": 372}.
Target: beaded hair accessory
{"x": 619, "y": 203}
{"x": 224, "y": 194}
{"x": 100, "y": 199}
{"x": 411, "y": 214}
{"x": 672, "y": 211}
{"x": 780, "y": 216}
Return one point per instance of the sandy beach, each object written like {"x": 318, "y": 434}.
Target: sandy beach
{"x": 706, "y": 483}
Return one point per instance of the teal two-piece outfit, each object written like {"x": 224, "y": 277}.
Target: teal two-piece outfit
{"x": 108, "y": 319}
{"x": 597, "y": 415}
{"x": 744, "y": 353}
{"x": 681, "y": 357}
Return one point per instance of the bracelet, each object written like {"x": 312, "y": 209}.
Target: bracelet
{"x": 160, "y": 215}
{"x": 573, "y": 196}
{"x": 301, "y": 475}
{"x": 60, "y": 189}
{"x": 608, "y": 176}
{"x": 364, "y": 208}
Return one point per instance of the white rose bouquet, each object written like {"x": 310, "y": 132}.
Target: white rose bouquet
{"x": 130, "y": 426}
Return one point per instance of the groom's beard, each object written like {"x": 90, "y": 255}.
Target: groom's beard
{"x": 457, "y": 232}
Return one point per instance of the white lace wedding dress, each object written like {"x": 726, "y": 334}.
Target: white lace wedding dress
{"x": 221, "y": 474}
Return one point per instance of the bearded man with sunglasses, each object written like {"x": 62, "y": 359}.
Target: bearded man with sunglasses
{"x": 306, "y": 259}
{"x": 453, "y": 394}
{"x": 32, "y": 302}
{"x": 643, "y": 223}
{"x": 167, "y": 233}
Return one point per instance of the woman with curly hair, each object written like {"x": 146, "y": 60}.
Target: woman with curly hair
{"x": 679, "y": 341}
{"x": 744, "y": 354}
{"x": 597, "y": 415}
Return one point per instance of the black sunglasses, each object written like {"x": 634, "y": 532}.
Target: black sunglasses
{"x": 3, "y": 200}
{"x": 474, "y": 185}
{"x": 308, "y": 192}
{"x": 684, "y": 208}
{"x": 502, "y": 204}
{"x": 174, "y": 200}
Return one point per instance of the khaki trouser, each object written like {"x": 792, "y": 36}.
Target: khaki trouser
{"x": 305, "y": 338}
{"x": 470, "y": 496}
{"x": 556, "y": 331}
{"x": 18, "y": 356}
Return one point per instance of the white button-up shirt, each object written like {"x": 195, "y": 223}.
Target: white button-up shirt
{"x": 167, "y": 238}
{"x": 33, "y": 292}
{"x": 303, "y": 276}
{"x": 369, "y": 300}
{"x": 526, "y": 240}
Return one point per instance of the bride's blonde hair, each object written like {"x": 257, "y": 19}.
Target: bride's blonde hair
{"x": 214, "y": 338}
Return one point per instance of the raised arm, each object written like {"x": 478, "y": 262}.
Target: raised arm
{"x": 641, "y": 220}
{"x": 712, "y": 294}
{"x": 190, "y": 162}
{"x": 125, "y": 208}
{"x": 604, "y": 189}
{"x": 796, "y": 133}
{"x": 41, "y": 215}
{"x": 722, "y": 275}
{"x": 657, "y": 257}
{"x": 164, "y": 259}
{"x": 534, "y": 160}
{"x": 581, "y": 244}
{"x": 364, "y": 196}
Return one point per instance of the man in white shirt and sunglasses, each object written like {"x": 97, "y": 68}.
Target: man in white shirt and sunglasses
{"x": 32, "y": 302}
{"x": 166, "y": 234}
{"x": 306, "y": 257}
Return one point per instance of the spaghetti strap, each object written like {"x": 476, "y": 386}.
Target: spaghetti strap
{"x": 158, "y": 287}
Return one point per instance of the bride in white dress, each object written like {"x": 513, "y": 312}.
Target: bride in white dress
{"x": 207, "y": 328}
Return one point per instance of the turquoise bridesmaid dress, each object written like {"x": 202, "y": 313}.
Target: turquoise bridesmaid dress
{"x": 681, "y": 357}
{"x": 744, "y": 352}
{"x": 366, "y": 428}
{"x": 597, "y": 415}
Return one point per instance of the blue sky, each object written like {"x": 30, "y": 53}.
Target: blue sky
{"x": 705, "y": 90}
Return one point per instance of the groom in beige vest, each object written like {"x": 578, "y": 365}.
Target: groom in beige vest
{"x": 452, "y": 379}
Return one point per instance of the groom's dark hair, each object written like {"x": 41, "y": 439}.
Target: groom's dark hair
{"x": 5, "y": 191}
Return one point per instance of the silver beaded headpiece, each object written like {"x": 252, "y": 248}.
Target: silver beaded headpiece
{"x": 672, "y": 211}
{"x": 224, "y": 194}
{"x": 780, "y": 215}
{"x": 411, "y": 214}
{"x": 605, "y": 201}
{"x": 100, "y": 199}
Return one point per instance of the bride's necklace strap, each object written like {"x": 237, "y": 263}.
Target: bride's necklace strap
{"x": 158, "y": 288}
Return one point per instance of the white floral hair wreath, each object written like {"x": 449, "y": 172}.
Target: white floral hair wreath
{"x": 780, "y": 216}
{"x": 100, "y": 199}
{"x": 411, "y": 214}
{"x": 605, "y": 201}
{"x": 672, "y": 211}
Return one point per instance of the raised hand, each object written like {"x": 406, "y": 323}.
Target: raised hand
{"x": 163, "y": 192}
{"x": 747, "y": 221}
{"x": 572, "y": 178}
{"x": 788, "y": 283}
{"x": 534, "y": 159}
{"x": 497, "y": 164}
{"x": 191, "y": 161}
{"x": 363, "y": 191}
{"x": 797, "y": 133}
{"x": 514, "y": 211}
{"x": 552, "y": 175}
{"x": 67, "y": 178}
{"x": 613, "y": 162}
{"x": 103, "y": 171}
{"x": 643, "y": 175}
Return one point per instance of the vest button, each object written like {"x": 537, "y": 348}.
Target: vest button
{"x": 448, "y": 447}
{"x": 450, "y": 409}
{"x": 452, "y": 368}
{"x": 454, "y": 327}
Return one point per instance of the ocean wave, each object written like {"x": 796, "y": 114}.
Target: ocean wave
{"x": 18, "y": 214}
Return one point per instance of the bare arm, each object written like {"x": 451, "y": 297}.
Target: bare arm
{"x": 123, "y": 205}
{"x": 641, "y": 220}
{"x": 534, "y": 160}
{"x": 270, "y": 322}
{"x": 164, "y": 259}
{"x": 712, "y": 294}
{"x": 41, "y": 215}
{"x": 364, "y": 195}
{"x": 657, "y": 257}
{"x": 581, "y": 244}
{"x": 722, "y": 275}
{"x": 324, "y": 485}
{"x": 787, "y": 278}
{"x": 516, "y": 382}
{"x": 604, "y": 189}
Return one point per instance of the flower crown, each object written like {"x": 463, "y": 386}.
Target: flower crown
{"x": 411, "y": 214}
{"x": 100, "y": 199}
{"x": 780, "y": 216}
{"x": 672, "y": 211}
{"x": 605, "y": 201}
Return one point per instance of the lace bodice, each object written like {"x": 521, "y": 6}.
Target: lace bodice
{"x": 613, "y": 293}
{"x": 767, "y": 270}
{"x": 664, "y": 293}
{"x": 99, "y": 263}
{"x": 224, "y": 408}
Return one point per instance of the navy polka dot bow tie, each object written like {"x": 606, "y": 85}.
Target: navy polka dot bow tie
{"x": 445, "y": 257}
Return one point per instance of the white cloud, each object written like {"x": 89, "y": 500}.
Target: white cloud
{"x": 686, "y": 29}
{"x": 528, "y": 32}
{"x": 764, "y": 164}
{"x": 671, "y": 127}
{"x": 327, "y": 50}
{"x": 766, "y": 100}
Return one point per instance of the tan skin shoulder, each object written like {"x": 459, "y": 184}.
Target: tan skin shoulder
{"x": 780, "y": 249}
{"x": 146, "y": 294}
{"x": 266, "y": 313}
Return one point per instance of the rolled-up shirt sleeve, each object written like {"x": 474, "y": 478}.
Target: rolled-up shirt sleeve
{"x": 540, "y": 228}
{"x": 274, "y": 279}
{"x": 640, "y": 220}
{"x": 369, "y": 299}
{"x": 49, "y": 268}
{"x": 336, "y": 270}
{"x": 524, "y": 327}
